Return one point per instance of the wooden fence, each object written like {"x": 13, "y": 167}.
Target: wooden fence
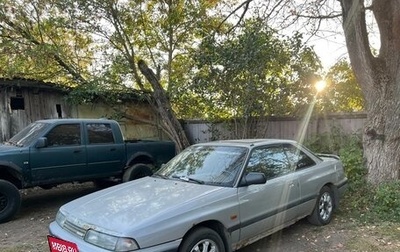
{"x": 278, "y": 127}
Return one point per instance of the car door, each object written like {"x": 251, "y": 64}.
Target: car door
{"x": 311, "y": 175}
{"x": 265, "y": 207}
{"x": 104, "y": 155}
{"x": 62, "y": 159}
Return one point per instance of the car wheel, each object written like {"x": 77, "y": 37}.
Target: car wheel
{"x": 10, "y": 200}
{"x": 323, "y": 210}
{"x": 202, "y": 239}
{"x": 137, "y": 171}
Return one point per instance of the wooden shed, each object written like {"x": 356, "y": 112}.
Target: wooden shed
{"x": 23, "y": 101}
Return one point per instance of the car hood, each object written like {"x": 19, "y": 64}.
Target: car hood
{"x": 138, "y": 204}
{"x": 6, "y": 148}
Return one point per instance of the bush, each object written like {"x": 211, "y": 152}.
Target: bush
{"x": 362, "y": 200}
{"x": 330, "y": 142}
{"x": 386, "y": 202}
{"x": 348, "y": 147}
{"x": 351, "y": 155}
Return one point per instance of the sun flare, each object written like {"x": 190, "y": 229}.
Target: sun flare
{"x": 320, "y": 85}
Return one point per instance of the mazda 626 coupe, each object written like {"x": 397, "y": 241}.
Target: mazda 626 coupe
{"x": 217, "y": 196}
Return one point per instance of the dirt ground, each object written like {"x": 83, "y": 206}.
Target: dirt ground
{"x": 28, "y": 231}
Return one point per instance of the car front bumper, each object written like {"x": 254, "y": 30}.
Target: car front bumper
{"x": 57, "y": 231}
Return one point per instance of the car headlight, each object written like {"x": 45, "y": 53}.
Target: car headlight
{"x": 110, "y": 242}
{"x": 60, "y": 218}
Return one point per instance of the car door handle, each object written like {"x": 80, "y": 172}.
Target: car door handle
{"x": 77, "y": 151}
{"x": 112, "y": 149}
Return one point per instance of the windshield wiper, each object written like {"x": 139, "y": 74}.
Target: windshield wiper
{"x": 188, "y": 179}
{"x": 160, "y": 176}
{"x": 8, "y": 143}
{"x": 13, "y": 143}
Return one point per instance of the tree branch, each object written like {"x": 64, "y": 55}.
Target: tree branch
{"x": 246, "y": 7}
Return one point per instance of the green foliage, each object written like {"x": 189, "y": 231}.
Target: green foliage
{"x": 386, "y": 201}
{"x": 342, "y": 93}
{"x": 37, "y": 43}
{"x": 351, "y": 155}
{"x": 362, "y": 200}
{"x": 329, "y": 142}
{"x": 252, "y": 72}
{"x": 373, "y": 203}
{"x": 349, "y": 149}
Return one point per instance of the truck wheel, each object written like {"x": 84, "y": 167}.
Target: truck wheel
{"x": 10, "y": 200}
{"x": 137, "y": 171}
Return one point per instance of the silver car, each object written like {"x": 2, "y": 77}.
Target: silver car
{"x": 217, "y": 196}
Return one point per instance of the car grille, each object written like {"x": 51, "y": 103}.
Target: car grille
{"x": 74, "y": 229}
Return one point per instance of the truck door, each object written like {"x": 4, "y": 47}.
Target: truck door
{"x": 105, "y": 156}
{"x": 63, "y": 159}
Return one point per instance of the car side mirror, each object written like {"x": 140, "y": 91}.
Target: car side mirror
{"x": 253, "y": 178}
{"x": 41, "y": 142}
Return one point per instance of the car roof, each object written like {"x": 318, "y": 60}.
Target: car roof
{"x": 73, "y": 120}
{"x": 249, "y": 142}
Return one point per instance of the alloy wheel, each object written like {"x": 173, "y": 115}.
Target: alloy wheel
{"x": 325, "y": 206}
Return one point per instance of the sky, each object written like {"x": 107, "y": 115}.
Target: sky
{"x": 329, "y": 42}
{"x": 330, "y": 51}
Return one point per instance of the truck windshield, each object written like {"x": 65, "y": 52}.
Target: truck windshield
{"x": 28, "y": 134}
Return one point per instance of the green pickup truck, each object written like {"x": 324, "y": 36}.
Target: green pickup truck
{"x": 50, "y": 152}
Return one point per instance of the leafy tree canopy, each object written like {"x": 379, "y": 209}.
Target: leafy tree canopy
{"x": 36, "y": 43}
{"x": 211, "y": 66}
{"x": 252, "y": 73}
{"x": 342, "y": 94}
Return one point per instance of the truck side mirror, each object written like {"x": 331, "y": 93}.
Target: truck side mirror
{"x": 41, "y": 142}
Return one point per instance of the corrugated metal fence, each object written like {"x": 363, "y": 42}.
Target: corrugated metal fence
{"x": 277, "y": 127}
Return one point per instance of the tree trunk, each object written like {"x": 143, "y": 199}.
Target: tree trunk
{"x": 379, "y": 78}
{"x": 171, "y": 123}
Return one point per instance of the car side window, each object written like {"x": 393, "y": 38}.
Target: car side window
{"x": 64, "y": 135}
{"x": 100, "y": 133}
{"x": 272, "y": 161}
{"x": 298, "y": 158}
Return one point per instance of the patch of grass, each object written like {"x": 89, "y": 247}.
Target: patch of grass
{"x": 386, "y": 201}
{"x": 372, "y": 204}
{"x": 384, "y": 237}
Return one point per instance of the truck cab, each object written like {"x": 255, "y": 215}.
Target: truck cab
{"x": 55, "y": 151}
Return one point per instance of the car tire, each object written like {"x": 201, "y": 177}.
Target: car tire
{"x": 323, "y": 210}
{"x": 137, "y": 171}
{"x": 10, "y": 200}
{"x": 202, "y": 239}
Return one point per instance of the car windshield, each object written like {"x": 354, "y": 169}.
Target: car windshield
{"x": 28, "y": 134}
{"x": 205, "y": 164}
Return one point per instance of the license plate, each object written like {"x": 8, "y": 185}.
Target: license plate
{"x": 59, "y": 245}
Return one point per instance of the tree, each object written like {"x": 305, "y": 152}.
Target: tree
{"x": 343, "y": 93}
{"x": 37, "y": 45}
{"x": 379, "y": 77}
{"x": 122, "y": 32}
{"x": 250, "y": 73}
